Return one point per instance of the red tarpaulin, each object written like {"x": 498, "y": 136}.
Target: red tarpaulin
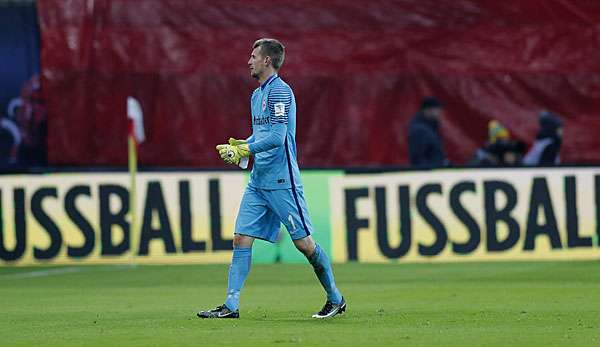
{"x": 358, "y": 69}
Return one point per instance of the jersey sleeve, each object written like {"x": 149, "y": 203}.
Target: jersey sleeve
{"x": 279, "y": 102}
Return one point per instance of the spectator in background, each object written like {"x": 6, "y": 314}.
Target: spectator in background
{"x": 14, "y": 105}
{"x": 31, "y": 118}
{"x": 546, "y": 148}
{"x": 425, "y": 146}
{"x": 10, "y": 138}
{"x": 500, "y": 149}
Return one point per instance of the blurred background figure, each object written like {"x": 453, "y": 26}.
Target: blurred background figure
{"x": 31, "y": 119}
{"x": 500, "y": 149}
{"x": 546, "y": 148}
{"x": 10, "y": 139}
{"x": 425, "y": 145}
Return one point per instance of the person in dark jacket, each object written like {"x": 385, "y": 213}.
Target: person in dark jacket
{"x": 546, "y": 148}
{"x": 425, "y": 146}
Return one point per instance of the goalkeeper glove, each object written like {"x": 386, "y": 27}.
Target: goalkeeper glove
{"x": 234, "y": 142}
{"x": 243, "y": 164}
{"x": 232, "y": 154}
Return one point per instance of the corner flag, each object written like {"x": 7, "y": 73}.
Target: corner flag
{"x": 135, "y": 136}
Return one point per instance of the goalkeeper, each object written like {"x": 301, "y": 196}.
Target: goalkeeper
{"x": 274, "y": 193}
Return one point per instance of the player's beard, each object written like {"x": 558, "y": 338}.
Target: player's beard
{"x": 255, "y": 73}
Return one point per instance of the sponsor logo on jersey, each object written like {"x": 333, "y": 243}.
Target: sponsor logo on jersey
{"x": 257, "y": 120}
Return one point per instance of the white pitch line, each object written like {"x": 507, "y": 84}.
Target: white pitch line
{"x": 43, "y": 273}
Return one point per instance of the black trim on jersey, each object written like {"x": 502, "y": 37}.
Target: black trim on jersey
{"x": 274, "y": 117}
{"x": 289, "y": 162}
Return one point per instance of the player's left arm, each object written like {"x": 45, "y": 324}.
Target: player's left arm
{"x": 279, "y": 103}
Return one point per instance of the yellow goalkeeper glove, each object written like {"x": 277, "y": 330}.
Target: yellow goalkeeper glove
{"x": 234, "y": 142}
{"x": 233, "y": 152}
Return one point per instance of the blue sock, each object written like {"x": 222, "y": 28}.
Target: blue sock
{"x": 238, "y": 271}
{"x": 322, "y": 266}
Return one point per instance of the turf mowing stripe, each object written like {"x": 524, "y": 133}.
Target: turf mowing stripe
{"x": 43, "y": 273}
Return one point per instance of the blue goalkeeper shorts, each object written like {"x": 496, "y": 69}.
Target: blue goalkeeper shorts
{"x": 263, "y": 210}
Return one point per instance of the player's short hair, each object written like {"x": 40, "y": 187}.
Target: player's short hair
{"x": 271, "y": 48}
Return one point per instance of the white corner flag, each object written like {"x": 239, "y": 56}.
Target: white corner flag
{"x": 135, "y": 114}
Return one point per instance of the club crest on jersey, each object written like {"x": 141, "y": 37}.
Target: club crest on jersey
{"x": 264, "y": 104}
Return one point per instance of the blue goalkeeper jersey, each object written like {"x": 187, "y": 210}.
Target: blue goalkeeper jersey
{"x": 273, "y": 140}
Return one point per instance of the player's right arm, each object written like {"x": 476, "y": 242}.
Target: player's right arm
{"x": 279, "y": 103}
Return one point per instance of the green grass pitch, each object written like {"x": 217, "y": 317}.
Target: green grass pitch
{"x": 468, "y": 304}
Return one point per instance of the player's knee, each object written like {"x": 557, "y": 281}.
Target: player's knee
{"x": 242, "y": 241}
{"x": 305, "y": 245}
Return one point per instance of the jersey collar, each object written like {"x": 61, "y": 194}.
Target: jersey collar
{"x": 266, "y": 83}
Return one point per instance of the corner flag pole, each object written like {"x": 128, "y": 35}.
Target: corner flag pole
{"x": 135, "y": 136}
{"x": 132, "y": 161}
